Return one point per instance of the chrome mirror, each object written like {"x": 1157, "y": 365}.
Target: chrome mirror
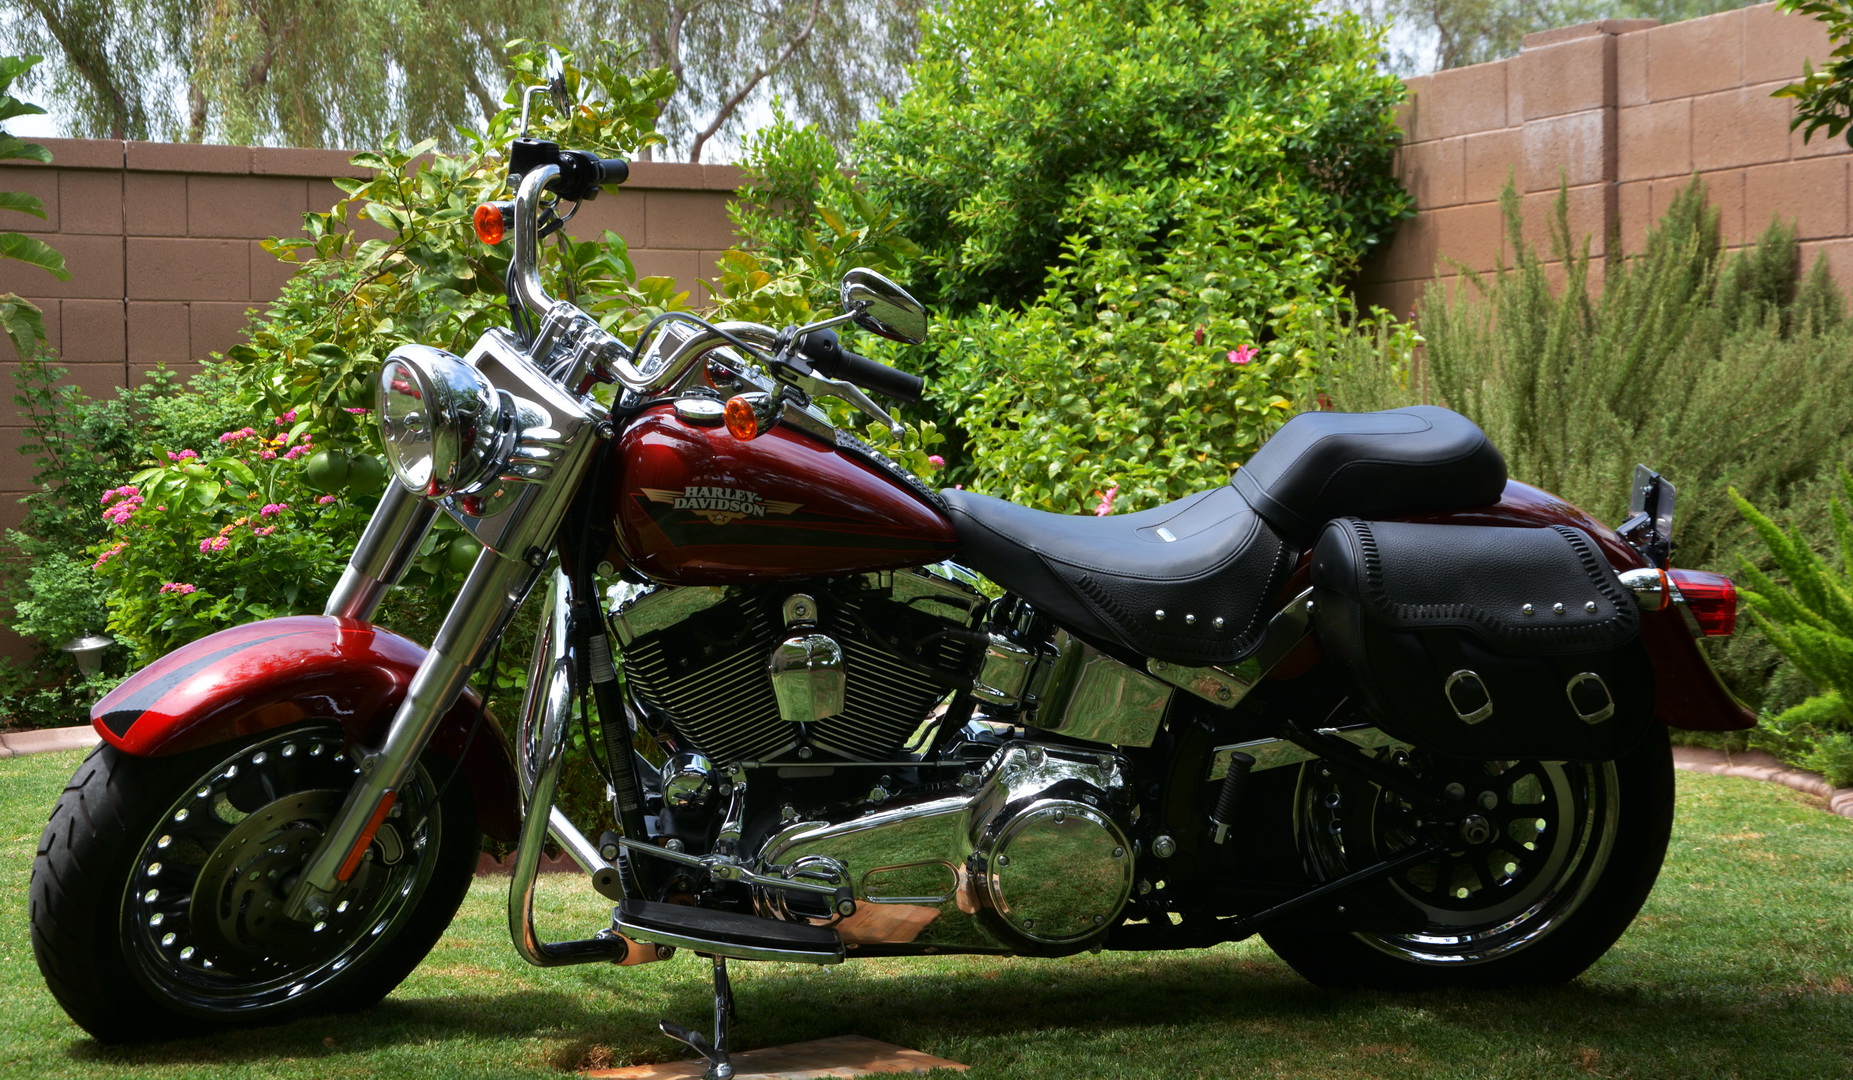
{"x": 880, "y": 305}
{"x": 556, "y": 85}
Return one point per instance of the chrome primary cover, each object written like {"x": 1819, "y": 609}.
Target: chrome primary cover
{"x": 1035, "y": 859}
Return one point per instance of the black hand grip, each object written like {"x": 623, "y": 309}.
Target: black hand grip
{"x": 582, "y": 173}
{"x": 829, "y": 358}
{"x": 613, "y": 170}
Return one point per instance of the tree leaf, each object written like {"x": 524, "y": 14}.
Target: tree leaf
{"x": 20, "y": 201}
{"x": 34, "y": 253}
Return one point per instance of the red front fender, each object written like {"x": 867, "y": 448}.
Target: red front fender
{"x": 265, "y": 675}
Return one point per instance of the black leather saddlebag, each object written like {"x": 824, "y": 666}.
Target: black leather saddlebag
{"x": 1485, "y": 642}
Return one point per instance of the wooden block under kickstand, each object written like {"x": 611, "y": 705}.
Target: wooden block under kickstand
{"x": 842, "y": 1056}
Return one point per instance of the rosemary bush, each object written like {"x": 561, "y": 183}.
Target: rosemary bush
{"x": 1811, "y": 622}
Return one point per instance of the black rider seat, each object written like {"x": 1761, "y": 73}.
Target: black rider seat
{"x": 1194, "y": 581}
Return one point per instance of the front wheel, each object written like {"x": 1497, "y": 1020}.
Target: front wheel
{"x": 1573, "y": 852}
{"x": 158, "y": 890}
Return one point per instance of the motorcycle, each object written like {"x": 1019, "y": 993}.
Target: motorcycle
{"x": 1401, "y": 716}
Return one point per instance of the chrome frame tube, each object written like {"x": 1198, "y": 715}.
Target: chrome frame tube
{"x": 550, "y": 691}
{"x": 494, "y": 589}
{"x": 385, "y": 551}
{"x": 547, "y": 711}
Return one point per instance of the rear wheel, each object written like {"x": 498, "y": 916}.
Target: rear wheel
{"x": 1571, "y": 852}
{"x": 159, "y": 886}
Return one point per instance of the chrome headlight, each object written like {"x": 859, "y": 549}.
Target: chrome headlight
{"x": 446, "y": 429}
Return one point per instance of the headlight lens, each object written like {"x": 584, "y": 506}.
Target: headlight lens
{"x": 445, "y": 427}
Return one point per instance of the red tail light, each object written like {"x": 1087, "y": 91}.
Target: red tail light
{"x": 1710, "y": 599}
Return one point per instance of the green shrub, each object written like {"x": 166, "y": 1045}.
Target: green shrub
{"x": 1131, "y": 224}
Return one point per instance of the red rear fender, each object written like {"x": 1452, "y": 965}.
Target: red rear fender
{"x": 1688, "y": 693}
{"x": 266, "y": 675}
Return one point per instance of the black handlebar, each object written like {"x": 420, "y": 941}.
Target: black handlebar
{"x": 828, "y": 357}
{"x": 581, "y": 173}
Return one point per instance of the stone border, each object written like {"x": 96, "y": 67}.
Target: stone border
{"x": 1758, "y": 765}
{"x": 21, "y": 743}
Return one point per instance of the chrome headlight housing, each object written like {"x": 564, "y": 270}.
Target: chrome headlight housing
{"x": 446, "y": 429}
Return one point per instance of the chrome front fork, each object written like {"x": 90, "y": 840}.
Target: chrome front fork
{"x": 494, "y": 589}
{"x": 385, "y": 551}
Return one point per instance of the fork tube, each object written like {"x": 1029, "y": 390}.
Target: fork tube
{"x": 495, "y": 588}
{"x": 385, "y": 550}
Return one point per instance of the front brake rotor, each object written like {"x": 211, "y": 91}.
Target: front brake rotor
{"x": 243, "y": 887}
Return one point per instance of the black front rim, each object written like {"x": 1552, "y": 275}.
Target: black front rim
{"x": 202, "y": 909}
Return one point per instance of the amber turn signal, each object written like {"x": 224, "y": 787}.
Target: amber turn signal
{"x": 742, "y": 418}
{"x": 491, "y": 226}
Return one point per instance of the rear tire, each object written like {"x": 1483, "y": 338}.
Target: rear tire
{"x": 157, "y": 890}
{"x": 1575, "y": 853}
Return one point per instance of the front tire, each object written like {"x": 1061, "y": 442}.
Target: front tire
{"x": 158, "y": 887}
{"x": 1575, "y": 851}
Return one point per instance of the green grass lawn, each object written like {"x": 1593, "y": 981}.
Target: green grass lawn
{"x": 1740, "y": 966}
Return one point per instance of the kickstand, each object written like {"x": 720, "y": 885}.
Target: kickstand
{"x": 720, "y": 1066}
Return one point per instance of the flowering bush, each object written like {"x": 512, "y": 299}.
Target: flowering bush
{"x": 224, "y": 536}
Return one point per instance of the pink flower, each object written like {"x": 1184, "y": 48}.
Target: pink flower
{"x": 119, "y": 514}
{"x": 272, "y": 508}
{"x": 184, "y": 455}
{"x": 234, "y": 436}
{"x": 268, "y": 455}
{"x": 937, "y": 461}
{"x": 357, "y": 412}
{"x": 326, "y": 499}
{"x": 1242, "y": 354}
{"x": 114, "y": 550}
{"x": 212, "y": 544}
{"x": 298, "y": 451}
{"x": 265, "y": 531}
{"x": 1106, "y": 501}
{"x": 179, "y": 588}
{"x": 287, "y": 418}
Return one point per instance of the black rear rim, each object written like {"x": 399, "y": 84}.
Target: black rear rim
{"x": 1553, "y": 828}
{"x": 202, "y": 909}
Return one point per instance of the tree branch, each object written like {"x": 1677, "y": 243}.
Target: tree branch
{"x": 759, "y": 76}
{"x": 92, "y": 63}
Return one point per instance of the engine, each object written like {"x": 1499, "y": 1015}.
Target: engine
{"x": 993, "y": 842}
{"x": 846, "y": 669}
{"x": 1034, "y": 858}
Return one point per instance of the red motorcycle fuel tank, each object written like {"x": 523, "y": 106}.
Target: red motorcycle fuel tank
{"x": 693, "y": 505}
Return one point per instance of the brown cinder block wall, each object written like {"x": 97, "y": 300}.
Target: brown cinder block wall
{"x": 1623, "y": 112}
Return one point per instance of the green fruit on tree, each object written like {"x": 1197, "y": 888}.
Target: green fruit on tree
{"x": 461, "y": 555}
{"x": 366, "y": 475}
{"x": 327, "y": 471}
